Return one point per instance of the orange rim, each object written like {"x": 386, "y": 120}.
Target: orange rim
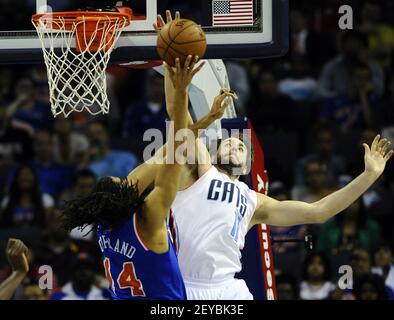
{"x": 76, "y": 16}
{"x": 85, "y": 35}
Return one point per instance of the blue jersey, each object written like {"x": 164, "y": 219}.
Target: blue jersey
{"x": 135, "y": 272}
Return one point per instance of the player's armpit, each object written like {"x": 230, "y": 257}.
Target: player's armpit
{"x": 151, "y": 227}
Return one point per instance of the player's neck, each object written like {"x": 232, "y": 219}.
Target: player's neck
{"x": 232, "y": 177}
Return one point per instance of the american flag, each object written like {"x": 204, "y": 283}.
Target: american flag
{"x": 232, "y": 12}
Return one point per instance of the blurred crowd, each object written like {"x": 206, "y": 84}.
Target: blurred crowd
{"x": 311, "y": 109}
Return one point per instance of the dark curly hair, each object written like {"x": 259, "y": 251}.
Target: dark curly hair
{"x": 108, "y": 205}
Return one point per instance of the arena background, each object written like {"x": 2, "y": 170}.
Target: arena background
{"x": 311, "y": 113}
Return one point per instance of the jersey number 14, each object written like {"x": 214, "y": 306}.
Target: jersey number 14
{"x": 126, "y": 279}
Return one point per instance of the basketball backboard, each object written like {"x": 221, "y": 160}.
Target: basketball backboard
{"x": 234, "y": 28}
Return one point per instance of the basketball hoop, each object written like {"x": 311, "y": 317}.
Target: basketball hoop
{"x": 77, "y": 47}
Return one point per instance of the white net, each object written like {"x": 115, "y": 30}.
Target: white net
{"x": 77, "y": 77}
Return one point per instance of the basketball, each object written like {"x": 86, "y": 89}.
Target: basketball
{"x": 180, "y": 38}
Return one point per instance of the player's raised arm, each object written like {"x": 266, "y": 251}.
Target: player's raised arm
{"x": 158, "y": 202}
{"x": 219, "y": 106}
{"x": 221, "y": 102}
{"x": 287, "y": 213}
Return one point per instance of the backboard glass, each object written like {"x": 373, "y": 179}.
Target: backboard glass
{"x": 234, "y": 28}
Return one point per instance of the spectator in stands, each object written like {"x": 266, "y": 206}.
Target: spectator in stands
{"x": 83, "y": 183}
{"x": 377, "y": 200}
{"x": 5, "y": 83}
{"x": 103, "y": 160}
{"x": 360, "y": 262}
{"x": 370, "y": 287}
{"x": 150, "y": 113}
{"x": 340, "y": 294}
{"x": 18, "y": 258}
{"x": 384, "y": 264}
{"x": 316, "y": 284}
{"x": 337, "y": 73}
{"x": 15, "y": 144}
{"x": 299, "y": 83}
{"x": 70, "y": 147}
{"x": 30, "y": 112}
{"x": 348, "y": 230}
{"x": 317, "y": 48}
{"x": 269, "y": 109}
{"x": 286, "y": 287}
{"x": 380, "y": 36}
{"x": 25, "y": 204}
{"x": 323, "y": 151}
{"x": 388, "y": 103}
{"x": 359, "y": 107}
{"x": 54, "y": 178}
{"x": 58, "y": 250}
{"x": 82, "y": 285}
{"x": 317, "y": 184}
{"x": 40, "y": 83}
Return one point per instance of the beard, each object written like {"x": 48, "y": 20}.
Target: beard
{"x": 230, "y": 168}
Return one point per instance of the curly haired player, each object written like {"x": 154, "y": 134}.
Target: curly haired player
{"x": 139, "y": 253}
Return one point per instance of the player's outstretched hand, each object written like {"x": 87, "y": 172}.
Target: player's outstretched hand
{"x": 17, "y": 254}
{"x": 221, "y": 102}
{"x": 180, "y": 76}
{"x": 375, "y": 158}
{"x": 160, "y": 21}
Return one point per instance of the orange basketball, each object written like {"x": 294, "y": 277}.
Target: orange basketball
{"x": 181, "y": 38}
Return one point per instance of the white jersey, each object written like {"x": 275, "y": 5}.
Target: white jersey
{"x": 212, "y": 217}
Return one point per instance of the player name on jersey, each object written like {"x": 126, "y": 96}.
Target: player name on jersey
{"x": 117, "y": 245}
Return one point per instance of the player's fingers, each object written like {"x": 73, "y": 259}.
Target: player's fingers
{"x": 194, "y": 62}
{"x": 160, "y": 21}
{"x": 381, "y": 144}
{"x": 18, "y": 248}
{"x": 366, "y": 148}
{"x": 385, "y": 146}
{"x": 198, "y": 68}
{"x": 186, "y": 66}
{"x": 178, "y": 65}
{"x": 223, "y": 91}
{"x": 11, "y": 243}
{"x": 168, "y": 15}
{"x": 225, "y": 96}
{"x": 225, "y": 104}
{"x": 388, "y": 155}
{"x": 177, "y": 15}
{"x": 375, "y": 143}
{"x": 228, "y": 91}
{"x": 12, "y": 251}
{"x": 23, "y": 247}
{"x": 231, "y": 94}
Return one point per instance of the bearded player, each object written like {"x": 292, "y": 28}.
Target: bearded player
{"x": 214, "y": 211}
